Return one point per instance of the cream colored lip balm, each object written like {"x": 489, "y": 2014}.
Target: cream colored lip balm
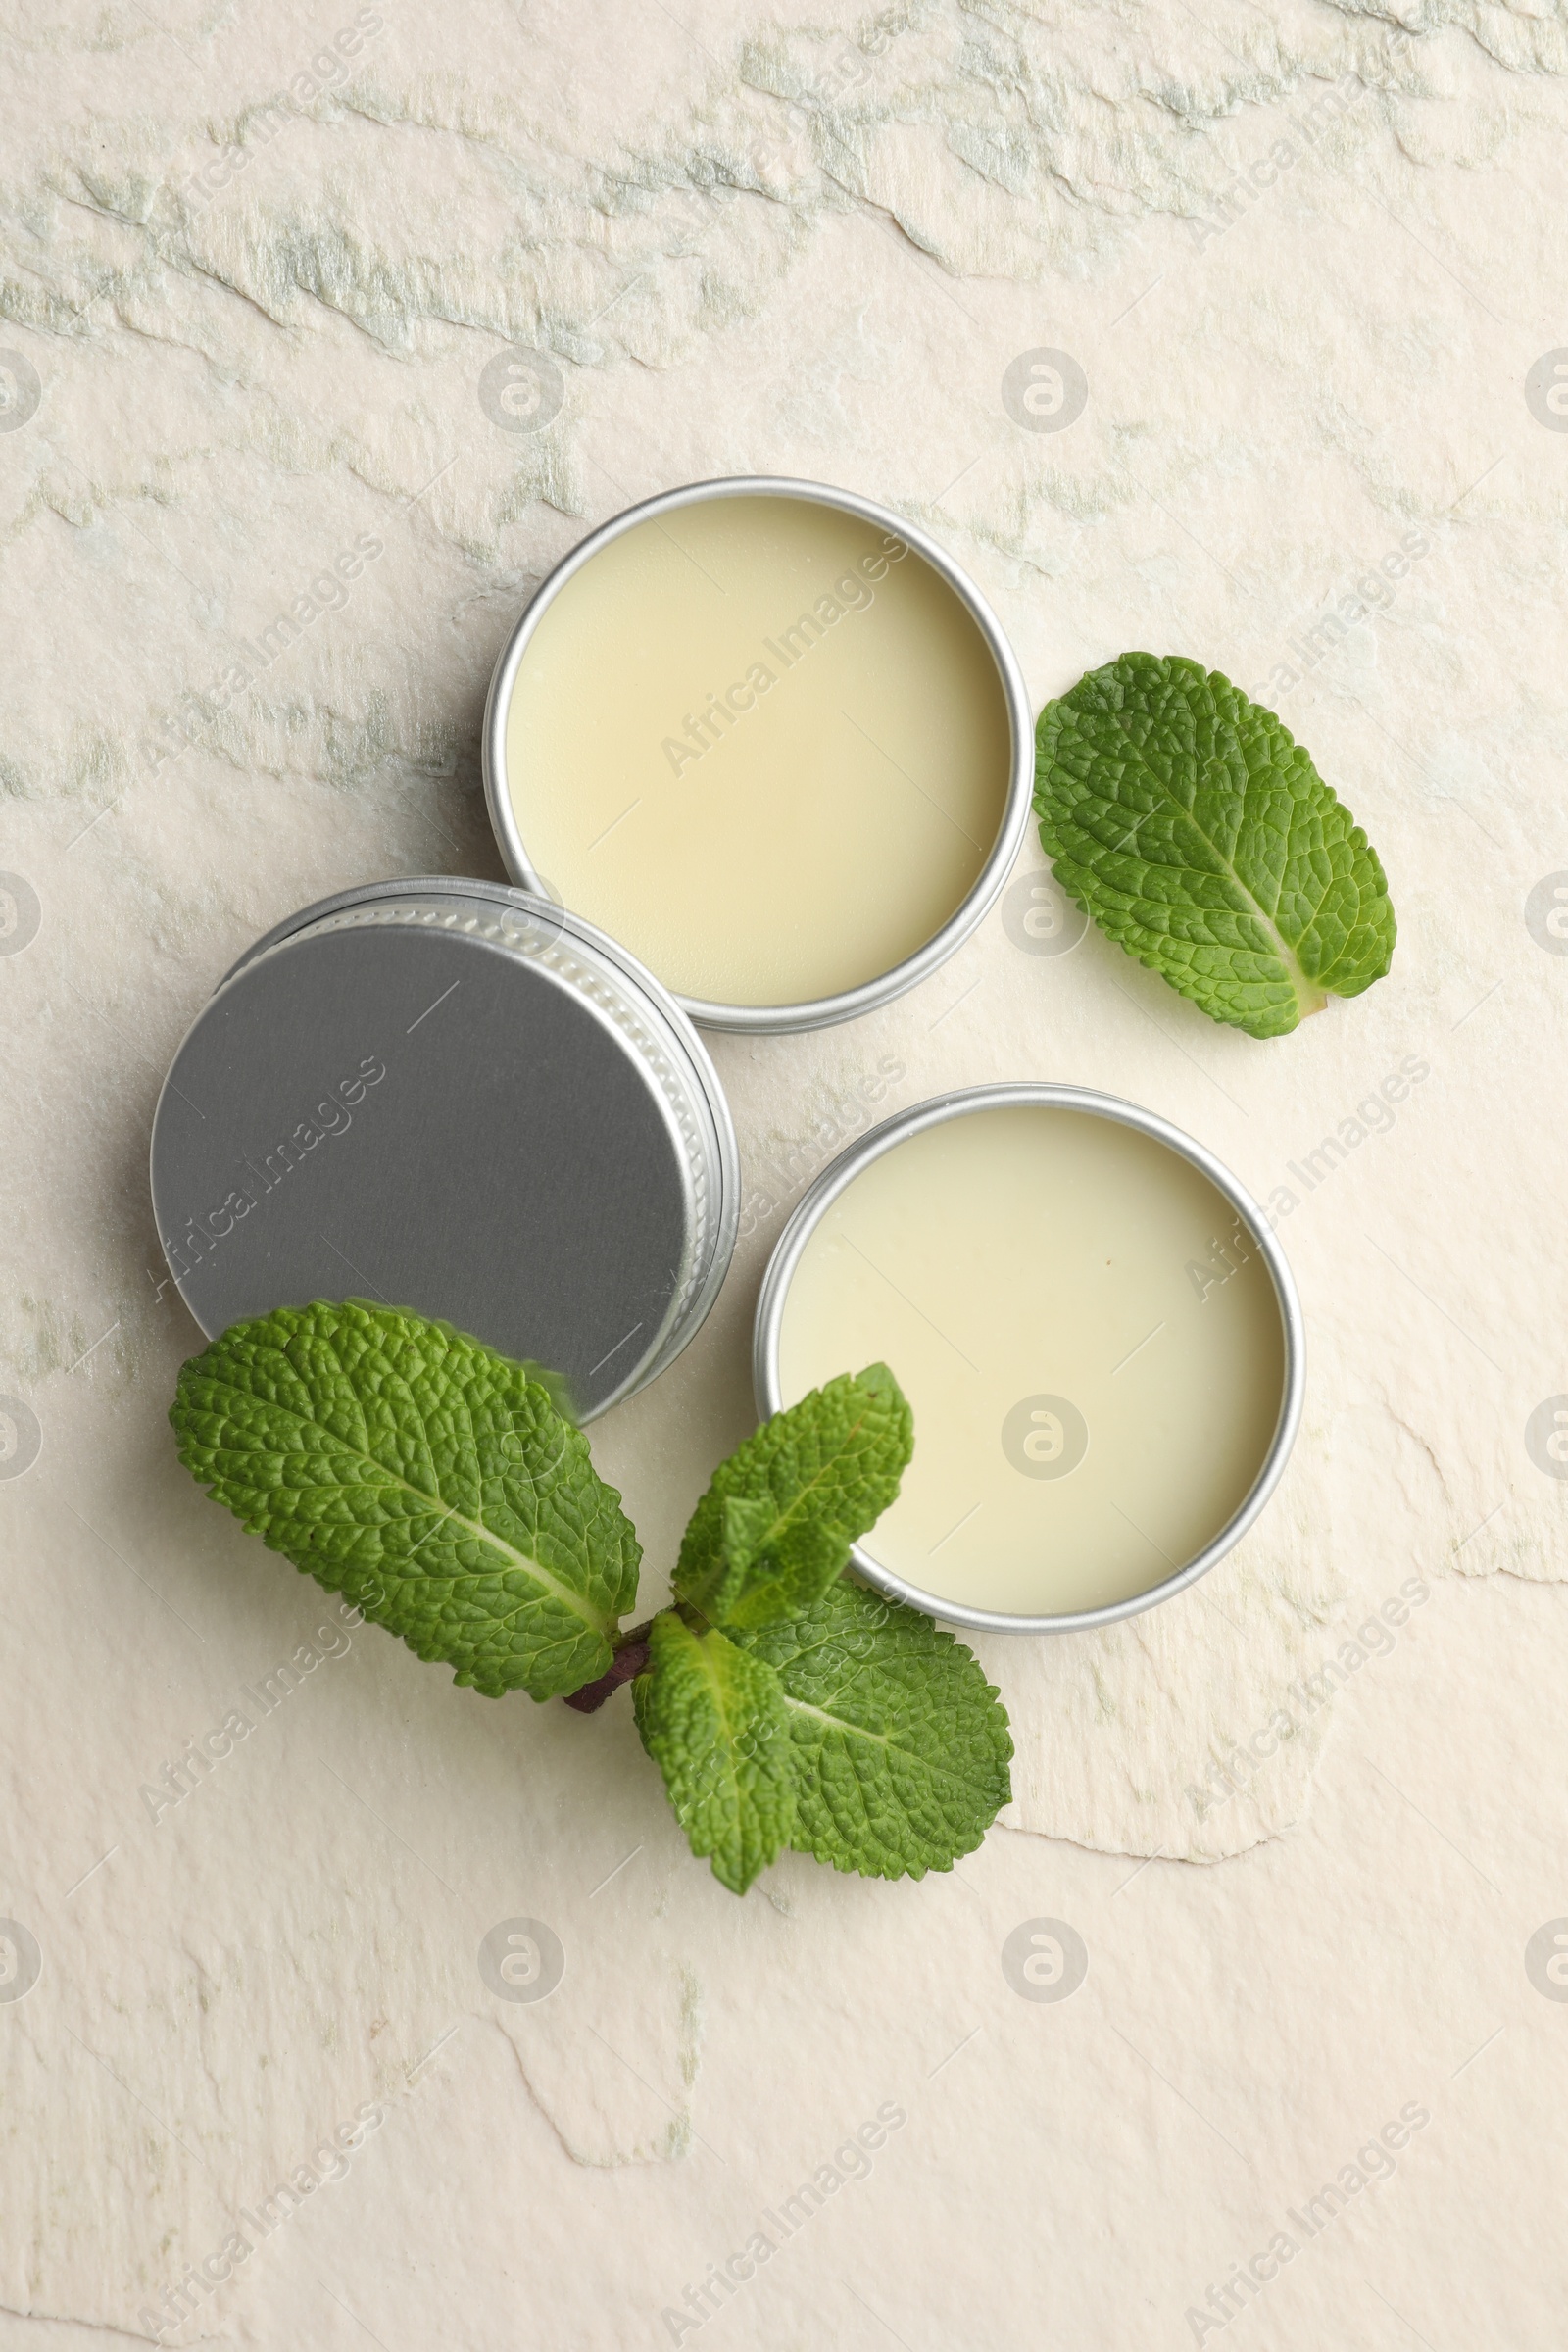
{"x": 1091, "y": 1336}
{"x": 762, "y": 741}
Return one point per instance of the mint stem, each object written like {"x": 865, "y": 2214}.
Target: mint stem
{"x": 631, "y": 1656}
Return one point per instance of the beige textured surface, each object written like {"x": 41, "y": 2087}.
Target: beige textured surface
{"x": 754, "y": 242}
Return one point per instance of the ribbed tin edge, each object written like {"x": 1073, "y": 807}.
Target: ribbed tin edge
{"x": 821, "y": 1012}
{"x": 840, "y": 1172}
{"x": 625, "y": 999}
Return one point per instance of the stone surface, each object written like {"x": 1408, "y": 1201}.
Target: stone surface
{"x": 251, "y": 279}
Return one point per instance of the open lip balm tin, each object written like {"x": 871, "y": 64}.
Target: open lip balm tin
{"x": 762, "y": 730}
{"x": 1103, "y": 1252}
{"x": 449, "y": 1097}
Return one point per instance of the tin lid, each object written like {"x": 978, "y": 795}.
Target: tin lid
{"x": 450, "y": 1097}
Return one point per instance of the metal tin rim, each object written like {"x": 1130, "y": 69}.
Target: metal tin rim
{"x": 652, "y": 999}
{"x": 840, "y": 1172}
{"x": 820, "y": 1012}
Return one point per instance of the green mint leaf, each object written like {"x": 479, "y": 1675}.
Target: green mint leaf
{"x": 425, "y": 1477}
{"x": 713, "y": 1719}
{"x": 775, "y": 1526}
{"x": 747, "y": 1521}
{"x": 1196, "y": 830}
{"x": 901, "y": 1744}
{"x": 769, "y": 1574}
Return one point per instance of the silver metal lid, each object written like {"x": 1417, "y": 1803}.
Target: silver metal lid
{"x": 449, "y": 1096}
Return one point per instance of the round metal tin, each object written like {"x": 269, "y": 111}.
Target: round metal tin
{"x": 823, "y": 1011}
{"x": 840, "y": 1172}
{"x": 451, "y": 1097}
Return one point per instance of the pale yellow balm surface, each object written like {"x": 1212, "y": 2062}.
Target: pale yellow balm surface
{"x": 1092, "y": 1346}
{"x": 762, "y": 744}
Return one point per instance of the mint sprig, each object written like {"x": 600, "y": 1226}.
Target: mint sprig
{"x": 436, "y": 1485}
{"x": 1194, "y": 829}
